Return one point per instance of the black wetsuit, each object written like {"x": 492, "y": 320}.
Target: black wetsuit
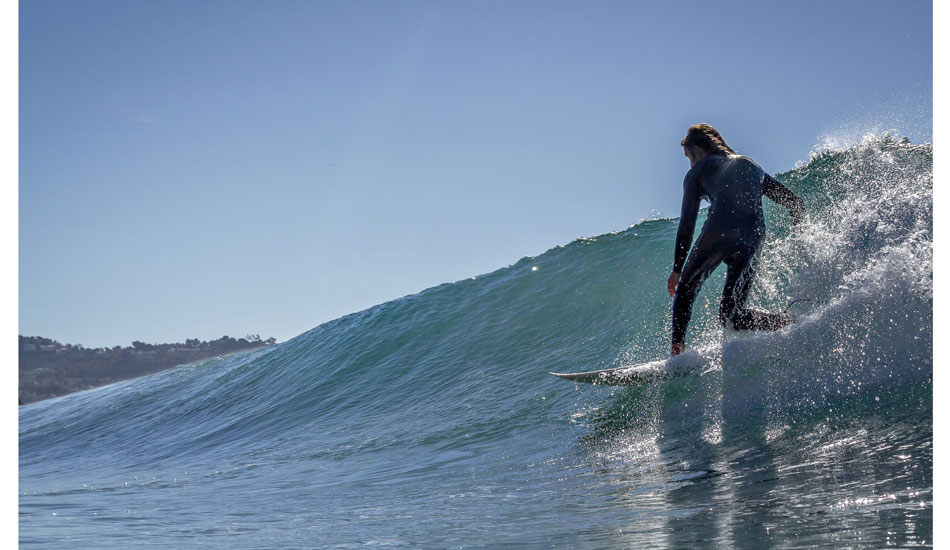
{"x": 733, "y": 232}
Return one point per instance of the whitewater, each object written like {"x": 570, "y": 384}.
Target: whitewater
{"x": 431, "y": 421}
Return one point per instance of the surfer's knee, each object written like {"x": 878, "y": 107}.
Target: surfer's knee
{"x": 727, "y": 313}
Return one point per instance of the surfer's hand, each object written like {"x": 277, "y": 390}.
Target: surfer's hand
{"x": 672, "y": 282}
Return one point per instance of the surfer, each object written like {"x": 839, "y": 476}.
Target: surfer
{"x": 733, "y": 232}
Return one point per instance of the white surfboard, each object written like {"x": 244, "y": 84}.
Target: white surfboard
{"x": 630, "y": 375}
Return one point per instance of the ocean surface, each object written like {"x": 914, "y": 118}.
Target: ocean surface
{"x": 431, "y": 421}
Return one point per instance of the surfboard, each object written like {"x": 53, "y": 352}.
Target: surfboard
{"x": 620, "y": 376}
{"x": 631, "y": 375}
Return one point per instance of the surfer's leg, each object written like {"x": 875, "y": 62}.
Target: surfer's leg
{"x": 703, "y": 259}
{"x": 732, "y": 310}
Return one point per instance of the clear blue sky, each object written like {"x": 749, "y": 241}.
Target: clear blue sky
{"x": 189, "y": 169}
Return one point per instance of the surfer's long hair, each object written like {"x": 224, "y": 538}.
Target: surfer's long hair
{"x": 707, "y": 139}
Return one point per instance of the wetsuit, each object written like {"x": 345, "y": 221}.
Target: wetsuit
{"x": 733, "y": 232}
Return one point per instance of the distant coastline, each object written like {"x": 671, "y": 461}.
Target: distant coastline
{"x": 49, "y": 369}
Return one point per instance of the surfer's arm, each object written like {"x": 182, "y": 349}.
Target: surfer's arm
{"x": 688, "y": 213}
{"x": 775, "y": 190}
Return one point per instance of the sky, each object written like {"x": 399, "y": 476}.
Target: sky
{"x": 193, "y": 169}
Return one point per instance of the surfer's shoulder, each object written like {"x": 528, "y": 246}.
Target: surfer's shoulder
{"x": 744, "y": 159}
{"x": 695, "y": 172}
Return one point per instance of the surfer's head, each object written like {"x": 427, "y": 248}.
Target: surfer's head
{"x": 701, "y": 140}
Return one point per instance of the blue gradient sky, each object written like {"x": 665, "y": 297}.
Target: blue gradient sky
{"x": 194, "y": 168}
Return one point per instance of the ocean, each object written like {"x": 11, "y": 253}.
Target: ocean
{"x": 431, "y": 421}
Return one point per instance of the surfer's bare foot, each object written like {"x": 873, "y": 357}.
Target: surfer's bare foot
{"x": 678, "y": 349}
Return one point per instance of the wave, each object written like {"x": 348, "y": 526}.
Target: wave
{"x": 451, "y": 376}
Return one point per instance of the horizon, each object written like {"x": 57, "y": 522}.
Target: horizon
{"x": 186, "y": 342}
{"x": 228, "y": 168}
